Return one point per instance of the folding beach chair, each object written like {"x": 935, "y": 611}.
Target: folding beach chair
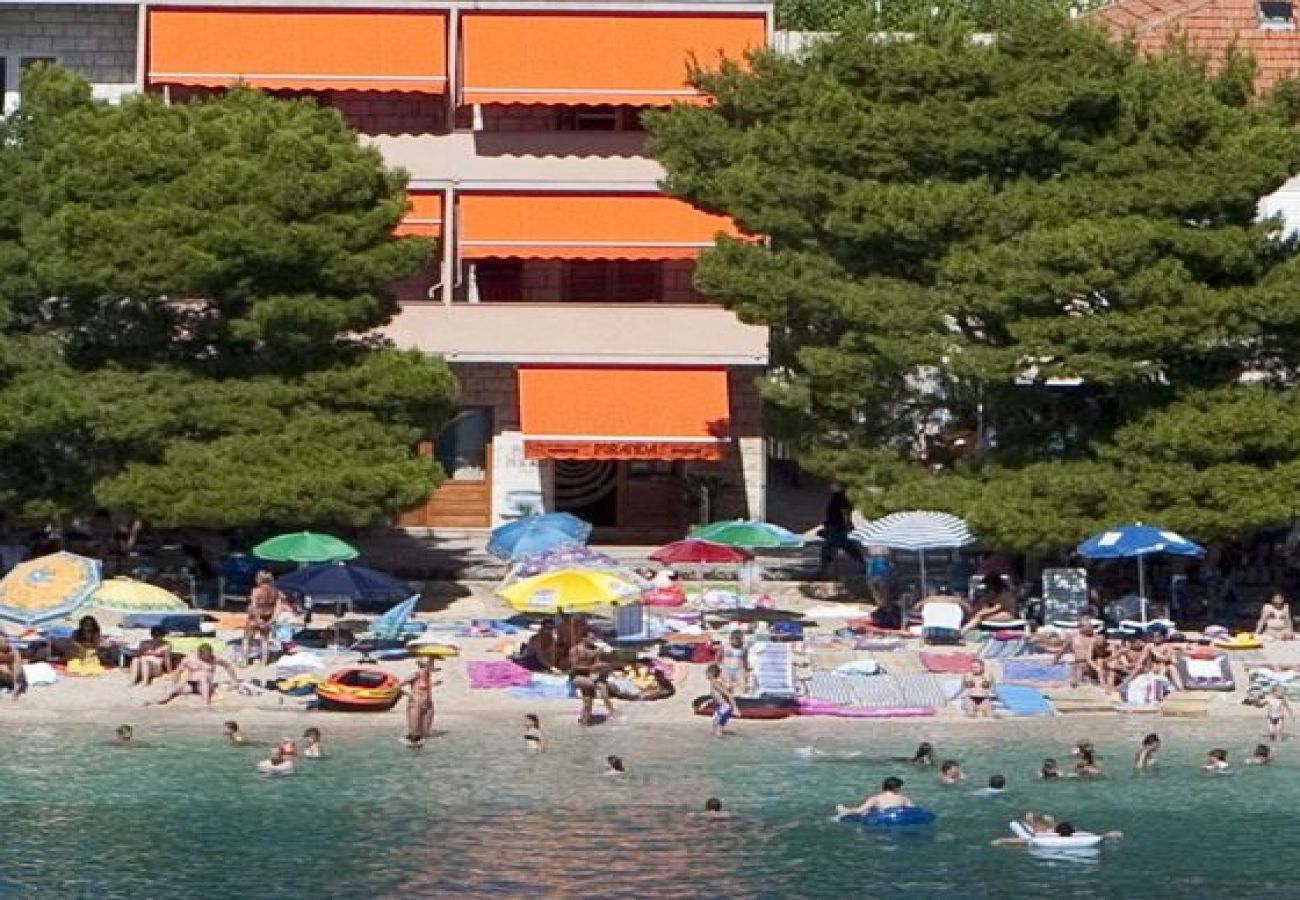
{"x": 391, "y": 631}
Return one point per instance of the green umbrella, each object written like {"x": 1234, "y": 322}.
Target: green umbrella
{"x": 750, "y": 535}
{"x": 305, "y": 547}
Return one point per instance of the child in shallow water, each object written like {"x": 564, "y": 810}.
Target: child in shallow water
{"x": 1216, "y": 761}
{"x": 1087, "y": 766}
{"x": 311, "y": 744}
{"x": 233, "y": 734}
{"x": 123, "y": 735}
{"x": 533, "y": 739}
{"x": 1051, "y": 769}
{"x": 950, "y": 772}
{"x": 1146, "y": 754}
{"x": 924, "y": 756}
{"x": 1261, "y": 757}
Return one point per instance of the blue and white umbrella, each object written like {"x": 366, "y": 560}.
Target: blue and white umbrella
{"x": 1138, "y": 541}
{"x": 537, "y": 534}
{"x": 917, "y": 531}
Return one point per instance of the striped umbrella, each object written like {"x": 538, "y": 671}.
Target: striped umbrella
{"x": 47, "y": 588}
{"x": 916, "y": 531}
{"x": 128, "y": 596}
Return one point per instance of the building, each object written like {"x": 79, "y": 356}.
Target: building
{"x": 595, "y": 378}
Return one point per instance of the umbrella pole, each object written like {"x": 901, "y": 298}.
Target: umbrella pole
{"x": 1142, "y": 586}
{"x": 925, "y": 590}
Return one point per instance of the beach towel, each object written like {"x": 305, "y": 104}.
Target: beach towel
{"x": 1022, "y": 700}
{"x": 998, "y": 649}
{"x": 543, "y": 687}
{"x": 859, "y": 667}
{"x": 946, "y": 663}
{"x": 1034, "y": 671}
{"x": 298, "y": 664}
{"x": 40, "y": 673}
{"x": 492, "y": 674}
{"x": 831, "y": 687}
{"x": 920, "y": 689}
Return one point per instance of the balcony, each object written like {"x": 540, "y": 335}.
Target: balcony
{"x": 603, "y": 334}
{"x": 534, "y": 161}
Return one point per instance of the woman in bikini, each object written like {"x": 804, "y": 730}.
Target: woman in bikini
{"x": 263, "y": 604}
{"x": 419, "y": 705}
{"x": 198, "y": 675}
{"x": 977, "y": 691}
{"x": 152, "y": 659}
{"x": 1275, "y": 619}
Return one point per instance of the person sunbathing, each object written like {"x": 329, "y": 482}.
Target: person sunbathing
{"x": 198, "y": 674}
{"x": 152, "y": 658}
{"x": 991, "y": 611}
{"x": 1275, "y": 620}
{"x": 1161, "y": 659}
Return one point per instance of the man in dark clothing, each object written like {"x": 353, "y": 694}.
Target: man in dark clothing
{"x": 836, "y": 528}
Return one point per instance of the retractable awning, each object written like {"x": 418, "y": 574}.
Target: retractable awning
{"x": 597, "y": 58}
{"x": 585, "y": 226}
{"x": 284, "y": 49}
{"x": 624, "y": 413}
{"x": 423, "y": 215}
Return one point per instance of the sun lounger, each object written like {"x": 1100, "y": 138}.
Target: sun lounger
{"x": 773, "y": 667}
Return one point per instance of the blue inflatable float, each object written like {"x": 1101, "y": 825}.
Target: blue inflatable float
{"x": 898, "y": 815}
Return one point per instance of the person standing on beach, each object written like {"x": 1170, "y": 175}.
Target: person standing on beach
{"x": 724, "y": 701}
{"x": 587, "y": 674}
{"x": 1082, "y": 645}
{"x": 263, "y": 603}
{"x": 419, "y": 703}
{"x": 835, "y": 530}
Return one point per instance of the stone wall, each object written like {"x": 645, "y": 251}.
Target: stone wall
{"x": 98, "y": 42}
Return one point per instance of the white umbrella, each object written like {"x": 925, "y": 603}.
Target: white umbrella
{"x": 916, "y": 531}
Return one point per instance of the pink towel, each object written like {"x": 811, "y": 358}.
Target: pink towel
{"x": 946, "y": 663}
{"x": 489, "y": 674}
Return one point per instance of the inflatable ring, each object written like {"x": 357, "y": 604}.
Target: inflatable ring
{"x": 897, "y": 815}
{"x": 1080, "y": 840}
{"x": 359, "y": 690}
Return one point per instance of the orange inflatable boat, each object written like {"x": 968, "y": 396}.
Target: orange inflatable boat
{"x": 359, "y": 690}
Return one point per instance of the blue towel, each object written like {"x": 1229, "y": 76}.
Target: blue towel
{"x": 1036, "y": 671}
{"x": 1021, "y": 700}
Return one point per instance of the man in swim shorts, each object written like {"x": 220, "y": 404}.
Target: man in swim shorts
{"x": 891, "y": 796}
{"x": 198, "y": 675}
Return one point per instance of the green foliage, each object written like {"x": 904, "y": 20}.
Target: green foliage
{"x": 186, "y": 299}
{"x": 1020, "y": 279}
{"x": 903, "y": 15}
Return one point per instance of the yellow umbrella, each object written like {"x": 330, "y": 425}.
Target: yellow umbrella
{"x": 46, "y": 588}
{"x": 128, "y": 596}
{"x": 570, "y": 590}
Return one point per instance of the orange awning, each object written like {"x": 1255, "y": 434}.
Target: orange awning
{"x": 596, "y": 58}
{"x": 283, "y": 49}
{"x": 423, "y": 215}
{"x": 585, "y": 226}
{"x": 623, "y": 413}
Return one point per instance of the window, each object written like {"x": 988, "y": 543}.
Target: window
{"x": 462, "y": 444}
{"x": 498, "y": 280}
{"x": 12, "y": 68}
{"x": 598, "y": 118}
{"x": 1276, "y": 14}
{"x": 613, "y": 280}
{"x": 652, "y": 469}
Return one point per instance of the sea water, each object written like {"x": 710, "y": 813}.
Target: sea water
{"x": 473, "y": 814}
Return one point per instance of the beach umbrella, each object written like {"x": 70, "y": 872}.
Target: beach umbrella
{"x": 47, "y": 588}
{"x": 571, "y": 556}
{"x": 569, "y": 590}
{"x": 1138, "y": 541}
{"x": 128, "y": 596}
{"x": 305, "y": 547}
{"x": 537, "y": 534}
{"x": 915, "y": 532}
{"x": 699, "y": 552}
{"x": 749, "y": 534}
{"x": 343, "y": 581}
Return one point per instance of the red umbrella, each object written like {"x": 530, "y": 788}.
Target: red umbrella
{"x": 698, "y": 552}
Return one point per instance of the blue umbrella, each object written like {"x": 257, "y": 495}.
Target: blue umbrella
{"x": 1140, "y": 541}
{"x": 537, "y": 534}
{"x": 340, "y": 582}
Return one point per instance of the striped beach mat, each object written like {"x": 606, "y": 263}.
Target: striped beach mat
{"x": 832, "y": 688}
{"x": 920, "y": 689}
{"x": 1005, "y": 649}
{"x": 878, "y": 692}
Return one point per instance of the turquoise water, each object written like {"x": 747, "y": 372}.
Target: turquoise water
{"x": 473, "y": 815}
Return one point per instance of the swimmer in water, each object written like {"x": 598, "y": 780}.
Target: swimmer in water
{"x": 1146, "y": 754}
{"x": 311, "y": 744}
{"x": 1055, "y": 829}
{"x": 1276, "y": 709}
{"x": 123, "y": 735}
{"x": 1051, "y": 770}
{"x": 614, "y": 765}
{"x": 277, "y": 764}
{"x": 950, "y": 772}
{"x": 997, "y": 786}
{"x": 1216, "y": 761}
{"x": 1087, "y": 766}
{"x": 236, "y": 737}
{"x": 1261, "y": 757}
{"x": 533, "y": 738}
{"x": 924, "y": 755}
{"x": 712, "y": 811}
{"x": 891, "y": 796}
